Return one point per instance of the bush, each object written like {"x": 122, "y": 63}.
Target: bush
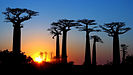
{"x": 8, "y": 57}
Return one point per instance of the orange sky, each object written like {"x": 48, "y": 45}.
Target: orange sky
{"x": 36, "y": 38}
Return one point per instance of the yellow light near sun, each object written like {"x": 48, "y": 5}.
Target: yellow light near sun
{"x": 48, "y": 60}
{"x": 33, "y": 45}
{"x": 38, "y": 58}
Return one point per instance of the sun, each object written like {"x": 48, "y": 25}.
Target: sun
{"x": 38, "y": 59}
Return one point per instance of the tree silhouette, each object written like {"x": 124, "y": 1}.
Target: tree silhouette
{"x": 64, "y": 25}
{"x": 86, "y": 26}
{"x": 16, "y": 16}
{"x": 96, "y": 39}
{"x": 9, "y": 57}
{"x": 56, "y": 32}
{"x": 114, "y": 29}
{"x": 129, "y": 60}
{"x": 124, "y": 50}
{"x": 45, "y": 55}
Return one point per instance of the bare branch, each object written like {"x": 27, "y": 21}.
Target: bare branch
{"x": 87, "y": 22}
{"x": 96, "y": 38}
{"x": 54, "y": 31}
{"x": 84, "y": 26}
{"x": 107, "y": 30}
{"x": 65, "y": 24}
{"x": 115, "y": 28}
{"x": 124, "y": 30}
{"x": 14, "y": 15}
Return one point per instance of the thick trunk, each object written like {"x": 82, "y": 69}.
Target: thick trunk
{"x": 64, "y": 52}
{"x": 87, "y": 50}
{"x": 57, "y": 48}
{"x": 116, "y": 50}
{"x": 17, "y": 39}
{"x": 94, "y": 53}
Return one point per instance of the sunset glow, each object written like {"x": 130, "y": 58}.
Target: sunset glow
{"x": 40, "y": 58}
{"x": 36, "y": 38}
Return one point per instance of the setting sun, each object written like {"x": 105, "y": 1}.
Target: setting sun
{"x": 40, "y": 57}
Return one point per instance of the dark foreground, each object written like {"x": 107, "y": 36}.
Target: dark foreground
{"x": 31, "y": 68}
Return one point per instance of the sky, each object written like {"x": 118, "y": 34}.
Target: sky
{"x": 36, "y": 38}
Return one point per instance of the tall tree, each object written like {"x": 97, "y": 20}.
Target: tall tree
{"x": 96, "y": 39}
{"x": 64, "y": 25}
{"x": 56, "y": 32}
{"x": 16, "y": 16}
{"x": 88, "y": 26}
{"x": 124, "y": 51}
{"x": 114, "y": 29}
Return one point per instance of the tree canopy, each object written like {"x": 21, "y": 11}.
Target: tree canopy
{"x": 65, "y": 24}
{"x": 18, "y": 15}
{"x": 84, "y": 23}
{"x": 115, "y": 27}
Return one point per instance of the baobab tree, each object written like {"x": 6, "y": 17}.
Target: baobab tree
{"x": 95, "y": 40}
{"x": 114, "y": 29}
{"x": 56, "y": 33}
{"x": 124, "y": 51}
{"x": 16, "y": 16}
{"x": 64, "y": 25}
{"x": 88, "y": 26}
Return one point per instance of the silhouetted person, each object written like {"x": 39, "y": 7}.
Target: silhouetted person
{"x": 114, "y": 29}
{"x": 85, "y": 26}
{"x": 17, "y": 16}
{"x": 64, "y": 25}
{"x": 56, "y": 32}
{"x": 124, "y": 51}
{"x": 96, "y": 39}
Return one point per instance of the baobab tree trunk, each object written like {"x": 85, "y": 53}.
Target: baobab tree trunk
{"x": 64, "y": 52}
{"x": 94, "y": 53}
{"x": 17, "y": 39}
{"x": 57, "y": 48}
{"x": 87, "y": 50}
{"x": 116, "y": 50}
